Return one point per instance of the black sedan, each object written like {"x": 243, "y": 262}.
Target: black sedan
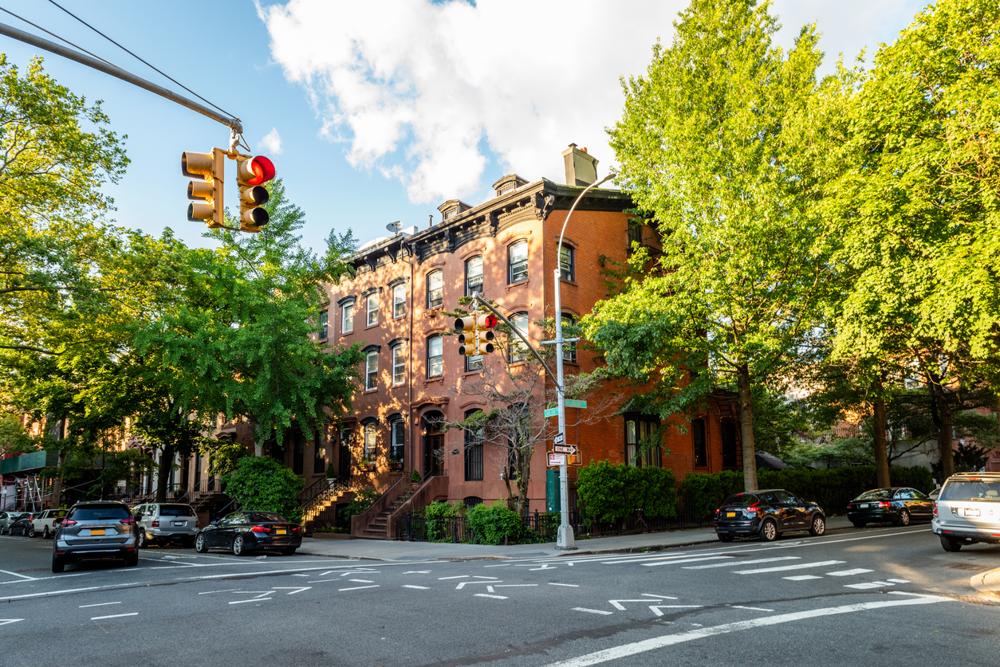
{"x": 246, "y": 532}
{"x": 767, "y": 513}
{"x": 898, "y": 505}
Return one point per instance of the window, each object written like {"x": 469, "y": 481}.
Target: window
{"x": 634, "y": 234}
{"x": 642, "y": 440}
{"x": 319, "y": 456}
{"x": 324, "y": 324}
{"x": 371, "y": 370}
{"x": 398, "y": 365}
{"x": 517, "y": 350}
{"x": 567, "y": 263}
{"x": 474, "y": 275}
{"x": 517, "y": 262}
{"x": 435, "y": 289}
{"x": 347, "y": 317}
{"x": 473, "y": 363}
{"x": 569, "y": 349}
{"x": 398, "y": 301}
{"x": 435, "y": 357}
{"x": 473, "y": 451}
{"x": 370, "y": 433}
{"x": 397, "y": 442}
{"x": 371, "y": 306}
{"x": 700, "y": 442}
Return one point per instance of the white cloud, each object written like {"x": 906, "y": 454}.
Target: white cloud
{"x": 271, "y": 142}
{"x": 418, "y": 90}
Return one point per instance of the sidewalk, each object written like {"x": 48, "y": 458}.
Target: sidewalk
{"x": 390, "y": 550}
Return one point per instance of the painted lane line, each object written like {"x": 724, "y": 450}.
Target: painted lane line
{"x": 544, "y": 566}
{"x": 420, "y": 571}
{"x": 8, "y": 621}
{"x": 294, "y": 589}
{"x": 419, "y": 588}
{"x": 350, "y": 572}
{"x": 497, "y": 565}
{"x": 463, "y": 584}
{"x": 655, "y": 608}
{"x": 868, "y": 585}
{"x": 495, "y": 597}
{"x": 492, "y": 588}
{"x": 458, "y": 576}
{"x": 98, "y": 604}
{"x": 645, "y": 557}
{"x": 21, "y": 576}
{"x": 250, "y": 600}
{"x": 362, "y": 581}
{"x": 224, "y": 590}
{"x": 802, "y": 577}
{"x": 300, "y": 575}
{"x": 741, "y": 562}
{"x": 593, "y": 611}
{"x": 739, "y": 606}
{"x": 654, "y": 643}
{"x": 617, "y": 604}
{"x": 356, "y": 588}
{"x": 659, "y": 597}
{"x": 899, "y": 581}
{"x": 101, "y": 618}
{"x": 479, "y": 576}
{"x": 848, "y": 573}
{"x": 552, "y": 583}
{"x": 785, "y": 568}
{"x": 684, "y": 560}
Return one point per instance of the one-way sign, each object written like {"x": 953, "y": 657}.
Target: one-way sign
{"x": 564, "y": 449}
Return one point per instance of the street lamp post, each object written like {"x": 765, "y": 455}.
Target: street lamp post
{"x": 564, "y": 538}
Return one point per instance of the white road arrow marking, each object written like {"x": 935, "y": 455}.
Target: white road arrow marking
{"x": 491, "y": 588}
{"x": 593, "y": 611}
{"x": 250, "y": 600}
{"x": 8, "y": 621}
{"x": 737, "y": 606}
{"x": 617, "y": 604}
{"x": 655, "y": 608}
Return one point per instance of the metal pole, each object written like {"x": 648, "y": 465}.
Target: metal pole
{"x": 82, "y": 58}
{"x": 564, "y": 538}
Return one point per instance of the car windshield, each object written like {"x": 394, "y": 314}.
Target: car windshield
{"x": 969, "y": 489}
{"x": 100, "y": 513}
{"x": 265, "y": 516}
{"x": 875, "y": 494}
{"x": 176, "y": 510}
{"x": 740, "y": 500}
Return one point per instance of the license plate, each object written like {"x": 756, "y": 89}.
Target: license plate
{"x": 280, "y": 531}
{"x": 730, "y": 515}
{"x": 180, "y": 523}
{"x": 971, "y": 512}
{"x": 96, "y": 531}
{"x": 864, "y": 506}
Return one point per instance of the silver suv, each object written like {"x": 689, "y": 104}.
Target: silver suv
{"x": 166, "y": 522}
{"x": 95, "y": 529}
{"x": 968, "y": 510}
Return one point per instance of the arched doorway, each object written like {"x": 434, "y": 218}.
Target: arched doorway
{"x": 432, "y": 424}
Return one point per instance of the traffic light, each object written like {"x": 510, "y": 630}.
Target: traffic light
{"x": 475, "y": 334}
{"x": 251, "y": 174}
{"x": 484, "y": 333}
{"x": 465, "y": 328}
{"x": 206, "y": 191}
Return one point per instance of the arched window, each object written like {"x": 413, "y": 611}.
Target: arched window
{"x": 474, "y": 275}
{"x": 473, "y": 451}
{"x": 370, "y": 439}
{"x": 435, "y": 356}
{"x": 435, "y": 289}
{"x": 517, "y": 350}
{"x": 517, "y": 262}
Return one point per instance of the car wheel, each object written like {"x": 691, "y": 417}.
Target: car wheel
{"x": 239, "y": 545}
{"x": 769, "y": 530}
{"x": 818, "y": 526}
{"x": 199, "y": 544}
{"x": 58, "y": 564}
{"x": 132, "y": 559}
{"x": 904, "y": 518}
{"x": 31, "y": 532}
{"x": 950, "y": 543}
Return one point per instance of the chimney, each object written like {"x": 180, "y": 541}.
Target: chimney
{"x": 581, "y": 167}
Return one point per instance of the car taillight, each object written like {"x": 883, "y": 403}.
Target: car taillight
{"x": 128, "y": 521}
{"x": 717, "y": 511}
{"x": 884, "y": 504}
{"x": 156, "y": 523}
{"x": 260, "y": 529}
{"x": 70, "y": 522}
{"x": 850, "y": 506}
{"x": 935, "y": 508}
{"x": 298, "y": 529}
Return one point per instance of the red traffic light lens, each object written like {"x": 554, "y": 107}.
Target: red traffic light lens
{"x": 263, "y": 170}
{"x": 490, "y": 321}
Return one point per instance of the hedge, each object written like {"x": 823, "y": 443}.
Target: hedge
{"x": 831, "y": 488}
{"x": 494, "y": 524}
{"x": 609, "y": 493}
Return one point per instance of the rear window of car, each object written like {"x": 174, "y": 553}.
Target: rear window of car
{"x": 265, "y": 516}
{"x": 99, "y": 513}
{"x": 176, "y": 510}
{"x": 973, "y": 490}
{"x": 875, "y": 494}
{"x": 740, "y": 500}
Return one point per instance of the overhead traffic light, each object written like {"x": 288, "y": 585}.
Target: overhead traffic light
{"x": 206, "y": 191}
{"x": 475, "y": 334}
{"x": 251, "y": 174}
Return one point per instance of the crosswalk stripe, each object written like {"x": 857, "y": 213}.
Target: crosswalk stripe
{"x": 742, "y": 562}
{"x": 683, "y": 560}
{"x": 802, "y": 577}
{"x": 797, "y": 566}
{"x": 868, "y": 585}
{"x": 848, "y": 573}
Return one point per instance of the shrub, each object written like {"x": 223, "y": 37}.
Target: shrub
{"x": 439, "y": 517}
{"x": 494, "y": 524}
{"x": 263, "y": 484}
{"x": 360, "y": 503}
{"x": 609, "y": 493}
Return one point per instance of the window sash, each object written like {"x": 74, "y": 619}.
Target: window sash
{"x": 324, "y": 324}
{"x": 397, "y": 441}
{"x": 568, "y": 349}
{"x": 347, "y": 318}
{"x": 474, "y": 276}
{"x": 566, "y": 263}
{"x": 474, "y": 363}
{"x": 517, "y": 262}
{"x": 518, "y": 351}
{"x": 398, "y": 301}
{"x": 369, "y": 441}
{"x": 371, "y": 370}
{"x": 398, "y": 365}
{"x": 371, "y": 304}
{"x": 435, "y": 357}
{"x": 435, "y": 289}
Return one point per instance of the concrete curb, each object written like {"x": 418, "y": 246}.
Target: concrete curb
{"x": 987, "y": 583}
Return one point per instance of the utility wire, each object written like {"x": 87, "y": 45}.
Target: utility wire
{"x": 49, "y": 32}
{"x": 148, "y": 64}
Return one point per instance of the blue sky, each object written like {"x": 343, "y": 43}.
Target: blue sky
{"x": 384, "y": 108}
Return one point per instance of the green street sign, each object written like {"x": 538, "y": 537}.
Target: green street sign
{"x": 574, "y": 403}
{"x": 551, "y": 412}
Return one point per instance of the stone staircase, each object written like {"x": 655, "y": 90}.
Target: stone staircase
{"x": 376, "y": 527}
{"x": 325, "y": 502}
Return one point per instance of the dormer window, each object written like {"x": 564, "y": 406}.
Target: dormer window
{"x": 508, "y": 183}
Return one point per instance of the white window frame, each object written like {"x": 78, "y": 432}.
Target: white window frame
{"x": 522, "y": 263}
{"x": 437, "y": 359}
{"x": 371, "y": 308}
{"x": 347, "y": 318}
{"x": 398, "y": 365}
{"x": 435, "y": 295}
{"x": 371, "y": 370}
{"x": 398, "y": 301}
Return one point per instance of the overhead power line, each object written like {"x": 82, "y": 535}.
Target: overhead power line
{"x": 52, "y": 34}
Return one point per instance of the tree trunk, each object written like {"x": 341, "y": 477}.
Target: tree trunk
{"x": 881, "y": 442}
{"x": 163, "y": 472}
{"x": 944, "y": 440}
{"x": 746, "y": 429}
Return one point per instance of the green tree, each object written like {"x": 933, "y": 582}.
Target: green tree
{"x": 710, "y": 143}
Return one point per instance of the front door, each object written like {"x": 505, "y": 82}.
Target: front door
{"x": 434, "y": 453}
{"x": 344, "y": 464}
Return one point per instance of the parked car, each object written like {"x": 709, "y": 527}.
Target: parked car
{"x": 165, "y": 522}
{"x": 935, "y": 492}
{"x": 22, "y": 525}
{"x": 767, "y": 513}
{"x": 968, "y": 510}
{"x": 898, "y": 505}
{"x": 246, "y": 532}
{"x": 7, "y": 519}
{"x": 44, "y": 523}
{"x": 93, "y": 530}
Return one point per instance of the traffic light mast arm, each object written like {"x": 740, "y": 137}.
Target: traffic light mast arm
{"x": 476, "y": 301}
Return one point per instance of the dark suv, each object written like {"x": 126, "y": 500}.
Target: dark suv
{"x": 95, "y": 529}
{"x": 767, "y": 513}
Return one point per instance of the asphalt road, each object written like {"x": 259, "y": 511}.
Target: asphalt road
{"x": 887, "y": 596}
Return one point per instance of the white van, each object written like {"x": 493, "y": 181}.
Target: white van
{"x": 968, "y": 510}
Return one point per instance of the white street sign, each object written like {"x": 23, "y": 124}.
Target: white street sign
{"x": 565, "y": 449}
{"x": 556, "y": 459}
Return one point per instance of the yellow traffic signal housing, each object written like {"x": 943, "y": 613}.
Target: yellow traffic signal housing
{"x": 206, "y": 191}
{"x": 251, "y": 174}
